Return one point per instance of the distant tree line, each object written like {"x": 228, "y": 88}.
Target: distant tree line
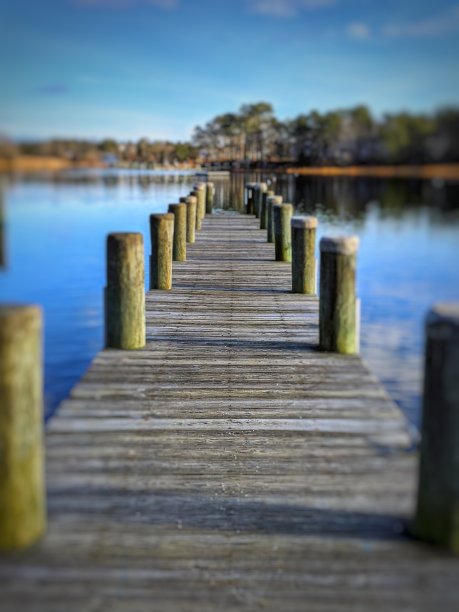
{"x": 342, "y": 137}
{"x": 143, "y": 151}
{"x": 255, "y": 136}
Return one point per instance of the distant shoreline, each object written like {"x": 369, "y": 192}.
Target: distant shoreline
{"x": 428, "y": 171}
{"x": 36, "y": 163}
{"x": 447, "y": 172}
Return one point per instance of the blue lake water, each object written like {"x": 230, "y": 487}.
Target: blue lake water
{"x": 55, "y": 256}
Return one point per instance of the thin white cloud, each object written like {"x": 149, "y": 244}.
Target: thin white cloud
{"x": 358, "y": 31}
{"x": 286, "y": 8}
{"x": 434, "y": 27}
{"x": 116, "y": 4}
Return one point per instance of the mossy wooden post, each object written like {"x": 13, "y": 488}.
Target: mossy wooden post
{"x": 337, "y": 305}
{"x": 200, "y": 190}
{"x": 202, "y": 199}
{"x": 303, "y": 255}
{"x": 210, "y": 195}
{"x": 195, "y": 194}
{"x": 264, "y": 208}
{"x": 282, "y": 232}
{"x": 162, "y": 237}
{"x": 191, "y": 203}
{"x": 22, "y": 490}
{"x": 271, "y": 202}
{"x": 260, "y": 188}
{"x": 179, "y": 244}
{"x": 125, "y": 292}
{"x": 437, "y": 515}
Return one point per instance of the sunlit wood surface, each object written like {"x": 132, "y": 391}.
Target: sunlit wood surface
{"x": 229, "y": 465}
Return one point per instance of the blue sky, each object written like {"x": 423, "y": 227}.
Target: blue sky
{"x": 156, "y": 68}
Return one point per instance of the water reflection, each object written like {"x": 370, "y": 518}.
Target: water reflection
{"x": 409, "y": 233}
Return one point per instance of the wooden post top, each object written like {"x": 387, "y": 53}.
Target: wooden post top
{"x": 20, "y": 310}
{"x": 176, "y": 206}
{"x": 159, "y": 216}
{"x": 342, "y": 245}
{"x": 275, "y": 199}
{"x": 304, "y": 222}
{"x": 125, "y": 237}
{"x": 443, "y": 320}
{"x": 15, "y": 317}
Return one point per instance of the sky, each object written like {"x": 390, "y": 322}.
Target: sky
{"x": 157, "y": 68}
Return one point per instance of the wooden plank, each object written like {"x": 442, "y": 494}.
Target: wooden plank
{"x": 229, "y": 464}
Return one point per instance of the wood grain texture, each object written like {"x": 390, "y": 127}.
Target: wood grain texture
{"x": 437, "y": 516}
{"x": 303, "y": 255}
{"x": 338, "y": 317}
{"x": 191, "y": 204}
{"x": 124, "y": 294}
{"x": 201, "y": 194}
{"x": 196, "y": 194}
{"x": 162, "y": 241}
{"x": 22, "y": 489}
{"x": 180, "y": 230}
{"x": 282, "y": 214}
{"x": 229, "y": 465}
{"x": 271, "y": 202}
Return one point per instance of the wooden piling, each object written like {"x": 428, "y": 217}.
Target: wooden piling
{"x": 198, "y": 222}
{"x": 337, "y": 305}
{"x": 437, "y": 515}
{"x": 191, "y": 203}
{"x": 282, "y": 232}
{"x": 22, "y": 490}
{"x": 259, "y": 189}
{"x": 162, "y": 234}
{"x": 210, "y": 195}
{"x": 179, "y": 245}
{"x": 200, "y": 189}
{"x": 271, "y": 202}
{"x": 125, "y": 292}
{"x": 264, "y": 208}
{"x": 303, "y": 255}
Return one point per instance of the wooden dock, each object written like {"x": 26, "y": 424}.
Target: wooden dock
{"x": 229, "y": 465}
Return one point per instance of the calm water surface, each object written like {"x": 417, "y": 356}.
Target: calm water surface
{"x": 55, "y": 256}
